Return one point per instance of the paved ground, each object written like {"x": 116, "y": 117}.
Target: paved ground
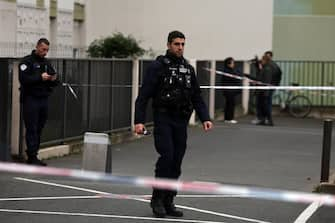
{"x": 286, "y": 156}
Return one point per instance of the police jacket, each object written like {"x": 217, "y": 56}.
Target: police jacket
{"x": 171, "y": 83}
{"x": 30, "y": 69}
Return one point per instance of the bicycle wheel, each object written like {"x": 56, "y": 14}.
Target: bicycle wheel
{"x": 300, "y": 106}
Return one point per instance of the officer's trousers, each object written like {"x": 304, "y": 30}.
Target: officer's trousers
{"x": 35, "y": 114}
{"x": 170, "y": 135}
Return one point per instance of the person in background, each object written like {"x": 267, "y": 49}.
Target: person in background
{"x": 276, "y": 78}
{"x": 264, "y": 96}
{"x": 256, "y": 64}
{"x": 230, "y": 94}
{"x": 277, "y": 75}
{"x": 275, "y": 72}
{"x": 37, "y": 79}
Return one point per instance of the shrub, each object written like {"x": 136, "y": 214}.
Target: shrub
{"x": 115, "y": 46}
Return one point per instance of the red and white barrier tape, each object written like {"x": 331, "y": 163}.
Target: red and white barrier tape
{"x": 262, "y": 85}
{"x": 324, "y": 88}
{"x": 147, "y": 182}
{"x": 238, "y": 77}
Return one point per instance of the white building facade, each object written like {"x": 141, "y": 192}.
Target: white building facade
{"x": 214, "y": 29}
{"x": 24, "y": 22}
{"x": 32, "y": 24}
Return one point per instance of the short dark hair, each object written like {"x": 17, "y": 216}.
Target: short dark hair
{"x": 43, "y": 40}
{"x": 175, "y": 34}
{"x": 269, "y": 53}
{"x": 228, "y": 61}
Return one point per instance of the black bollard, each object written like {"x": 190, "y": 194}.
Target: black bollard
{"x": 326, "y": 145}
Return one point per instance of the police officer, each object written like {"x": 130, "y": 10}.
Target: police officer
{"x": 37, "y": 78}
{"x": 171, "y": 82}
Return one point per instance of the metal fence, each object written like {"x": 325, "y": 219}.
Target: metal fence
{"x": 307, "y": 73}
{"x": 104, "y": 89}
{"x": 204, "y": 77}
{"x": 5, "y": 108}
{"x": 104, "y": 98}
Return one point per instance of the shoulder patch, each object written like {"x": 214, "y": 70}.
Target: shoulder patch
{"x": 23, "y": 67}
{"x": 164, "y": 60}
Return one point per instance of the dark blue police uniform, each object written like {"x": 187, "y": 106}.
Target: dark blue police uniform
{"x": 172, "y": 84}
{"x": 34, "y": 93}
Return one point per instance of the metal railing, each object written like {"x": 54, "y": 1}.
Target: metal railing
{"x": 104, "y": 98}
{"x": 311, "y": 73}
{"x": 5, "y": 108}
{"x": 104, "y": 89}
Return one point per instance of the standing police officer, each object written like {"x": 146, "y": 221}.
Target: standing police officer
{"x": 171, "y": 82}
{"x": 37, "y": 78}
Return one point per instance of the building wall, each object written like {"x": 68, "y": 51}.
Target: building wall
{"x": 304, "y": 30}
{"x": 304, "y": 7}
{"x": 62, "y": 4}
{"x": 32, "y": 24}
{"x": 79, "y": 39}
{"x": 304, "y": 38}
{"x": 64, "y": 37}
{"x": 22, "y": 23}
{"x": 7, "y": 27}
{"x": 214, "y": 29}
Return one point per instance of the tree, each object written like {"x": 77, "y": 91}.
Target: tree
{"x": 115, "y": 46}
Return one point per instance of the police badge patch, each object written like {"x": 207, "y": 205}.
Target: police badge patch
{"x": 23, "y": 67}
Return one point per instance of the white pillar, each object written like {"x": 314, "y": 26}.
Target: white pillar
{"x": 193, "y": 62}
{"x": 15, "y": 135}
{"x": 245, "y": 92}
{"x": 134, "y": 93}
{"x": 212, "y": 90}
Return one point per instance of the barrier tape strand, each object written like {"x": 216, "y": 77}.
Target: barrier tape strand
{"x": 200, "y": 187}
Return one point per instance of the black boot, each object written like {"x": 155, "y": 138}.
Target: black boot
{"x": 35, "y": 161}
{"x": 157, "y": 203}
{"x": 170, "y": 208}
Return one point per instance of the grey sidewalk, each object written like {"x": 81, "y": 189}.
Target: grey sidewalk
{"x": 286, "y": 156}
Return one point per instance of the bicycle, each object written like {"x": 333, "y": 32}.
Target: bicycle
{"x": 295, "y": 104}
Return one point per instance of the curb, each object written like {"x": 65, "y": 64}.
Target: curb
{"x": 76, "y": 147}
{"x": 326, "y": 188}
{"x": 54, "y": 151}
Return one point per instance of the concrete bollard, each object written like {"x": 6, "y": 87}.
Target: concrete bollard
{"x": 97, "y": 154}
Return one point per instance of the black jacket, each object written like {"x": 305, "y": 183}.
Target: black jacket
{"x": 150, "y": 88}
{"x": 229, "y": 81}
{"x": 277, "y": 74}
{"x": 30, "y": 69}
{"x": 266, "y": 75}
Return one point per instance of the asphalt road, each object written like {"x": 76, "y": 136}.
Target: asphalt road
{"x": 286, "y": 156}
